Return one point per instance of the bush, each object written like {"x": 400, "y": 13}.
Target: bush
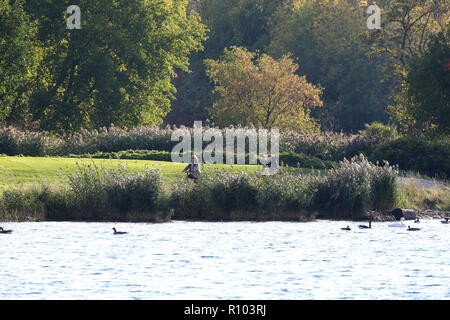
{"x": 417, "y": 154}
{"x": 377, "y": 129}
{"x": 18, "y": 204}
{"x": 327, "y": 145}
{"x": 289, "y": 158}
{"x": 114, "y": 193}
{"x": 354, "y": 187}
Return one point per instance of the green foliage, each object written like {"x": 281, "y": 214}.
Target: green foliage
{"x": 348, "y": 191}
{"x": 428, "y": 83}
{"x": 18, "y": 56}
{"x": 116, "y": 69}
{"x": 19, "y": 204}
{"x": 325, "y": 38}
{"x": 378, "y": 142}
{"x": 114, "y": 192}
{"x": 355, "y": 187}
{"x": 409, "y": 25}
{"x": 412, "y": 195}
{"x": 378, "y": 129}
{"x": 417, "y": 153}
{"x": 287, "y": 158}
{"x": 97, "y": 193}
{"x": 409, "y": 40}
{"x": 233, "y": 22}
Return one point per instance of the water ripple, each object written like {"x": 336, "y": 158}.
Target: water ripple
{"x": 239, "y": 260}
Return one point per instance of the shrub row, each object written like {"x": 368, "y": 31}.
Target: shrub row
{"x": 410, "y": 153}
{"x": 416, "y": 154}
{"x": 288, "y": 158}
{"x": 348, "y": 191}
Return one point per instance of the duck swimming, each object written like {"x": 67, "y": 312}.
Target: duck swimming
{"x": 119, "y": 232}
{"x": 445, "y": 221}
{"x": 417, "y": 220}
{"x": 4, "y": 231}
{"x": 347, "y": 228}
{"x": 413, "y": 229}
{"x": 361, "y": 226}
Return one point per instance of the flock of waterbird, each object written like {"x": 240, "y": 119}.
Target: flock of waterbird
{"x": 395, "y": 224}
{"x": 361, "y": 226}
{"x": 114, "y": 229}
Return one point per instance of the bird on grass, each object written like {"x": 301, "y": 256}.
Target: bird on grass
{"x": 119, "y": 232}
{"x": 361, "y": 226}
{"x": 347, "y": 228}
{"x": 413, "y": 229}
{"x": 4, "y": 231}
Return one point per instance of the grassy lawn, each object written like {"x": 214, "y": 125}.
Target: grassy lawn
{"x": 27, "y": 171}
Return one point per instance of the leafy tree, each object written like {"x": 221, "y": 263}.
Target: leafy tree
{"x": 409, "y": 25}
{"x": 117, "y": 68}
{"x": 18, "y": 56}
{"x": 377, "y": 129}
{"x": 428, "y": 83}
{"x": 261, "y": 91}
{"x": 233, "y": 22}
{"x": 325, "y": 37}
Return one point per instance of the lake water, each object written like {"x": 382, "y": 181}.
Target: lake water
{"x": 230, "y": 260}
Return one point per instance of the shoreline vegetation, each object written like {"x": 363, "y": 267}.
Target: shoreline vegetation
{"x": 354, "y": 189}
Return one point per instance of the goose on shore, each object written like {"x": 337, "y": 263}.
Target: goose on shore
{"x": 445, "y": 221}
{"x": 119, "y": 232}
{"x": 361, "y": 226}
{"x": 347, "y": 228}
{"x": 4, "y": 231}
{"x": 413, "y": 229}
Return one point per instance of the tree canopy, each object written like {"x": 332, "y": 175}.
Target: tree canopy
{"x": 261, "y": 91}
{"x": 116, "y": 69}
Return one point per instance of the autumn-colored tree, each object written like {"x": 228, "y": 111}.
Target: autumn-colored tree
{"x": 261, "y": 91}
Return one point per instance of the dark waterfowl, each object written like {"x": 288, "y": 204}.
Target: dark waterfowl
{"x": 413, "y": 229}
{"x": 119, "y": 232}
{"x": 445, "y": 221}
{"x": 417, "y": 220}
{"x": 361, "y": 226}
{"x": 347, "y": 228}
{"x": 4, "y": 231}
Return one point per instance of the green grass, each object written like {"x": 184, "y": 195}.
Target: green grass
{"x": 29, "y": 171}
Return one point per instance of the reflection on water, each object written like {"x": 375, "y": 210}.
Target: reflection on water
{"x": 234, "y": 260}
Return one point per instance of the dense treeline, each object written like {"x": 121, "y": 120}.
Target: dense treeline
{"x": 363, "y": 72}
{"x": 129, "y": 64}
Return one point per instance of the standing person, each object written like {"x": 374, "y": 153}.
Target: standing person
{"x": 192, "y": 169}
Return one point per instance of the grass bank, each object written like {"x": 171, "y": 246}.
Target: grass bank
{"x": 31, "y": 171}
{"x": 109, "y": 190}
